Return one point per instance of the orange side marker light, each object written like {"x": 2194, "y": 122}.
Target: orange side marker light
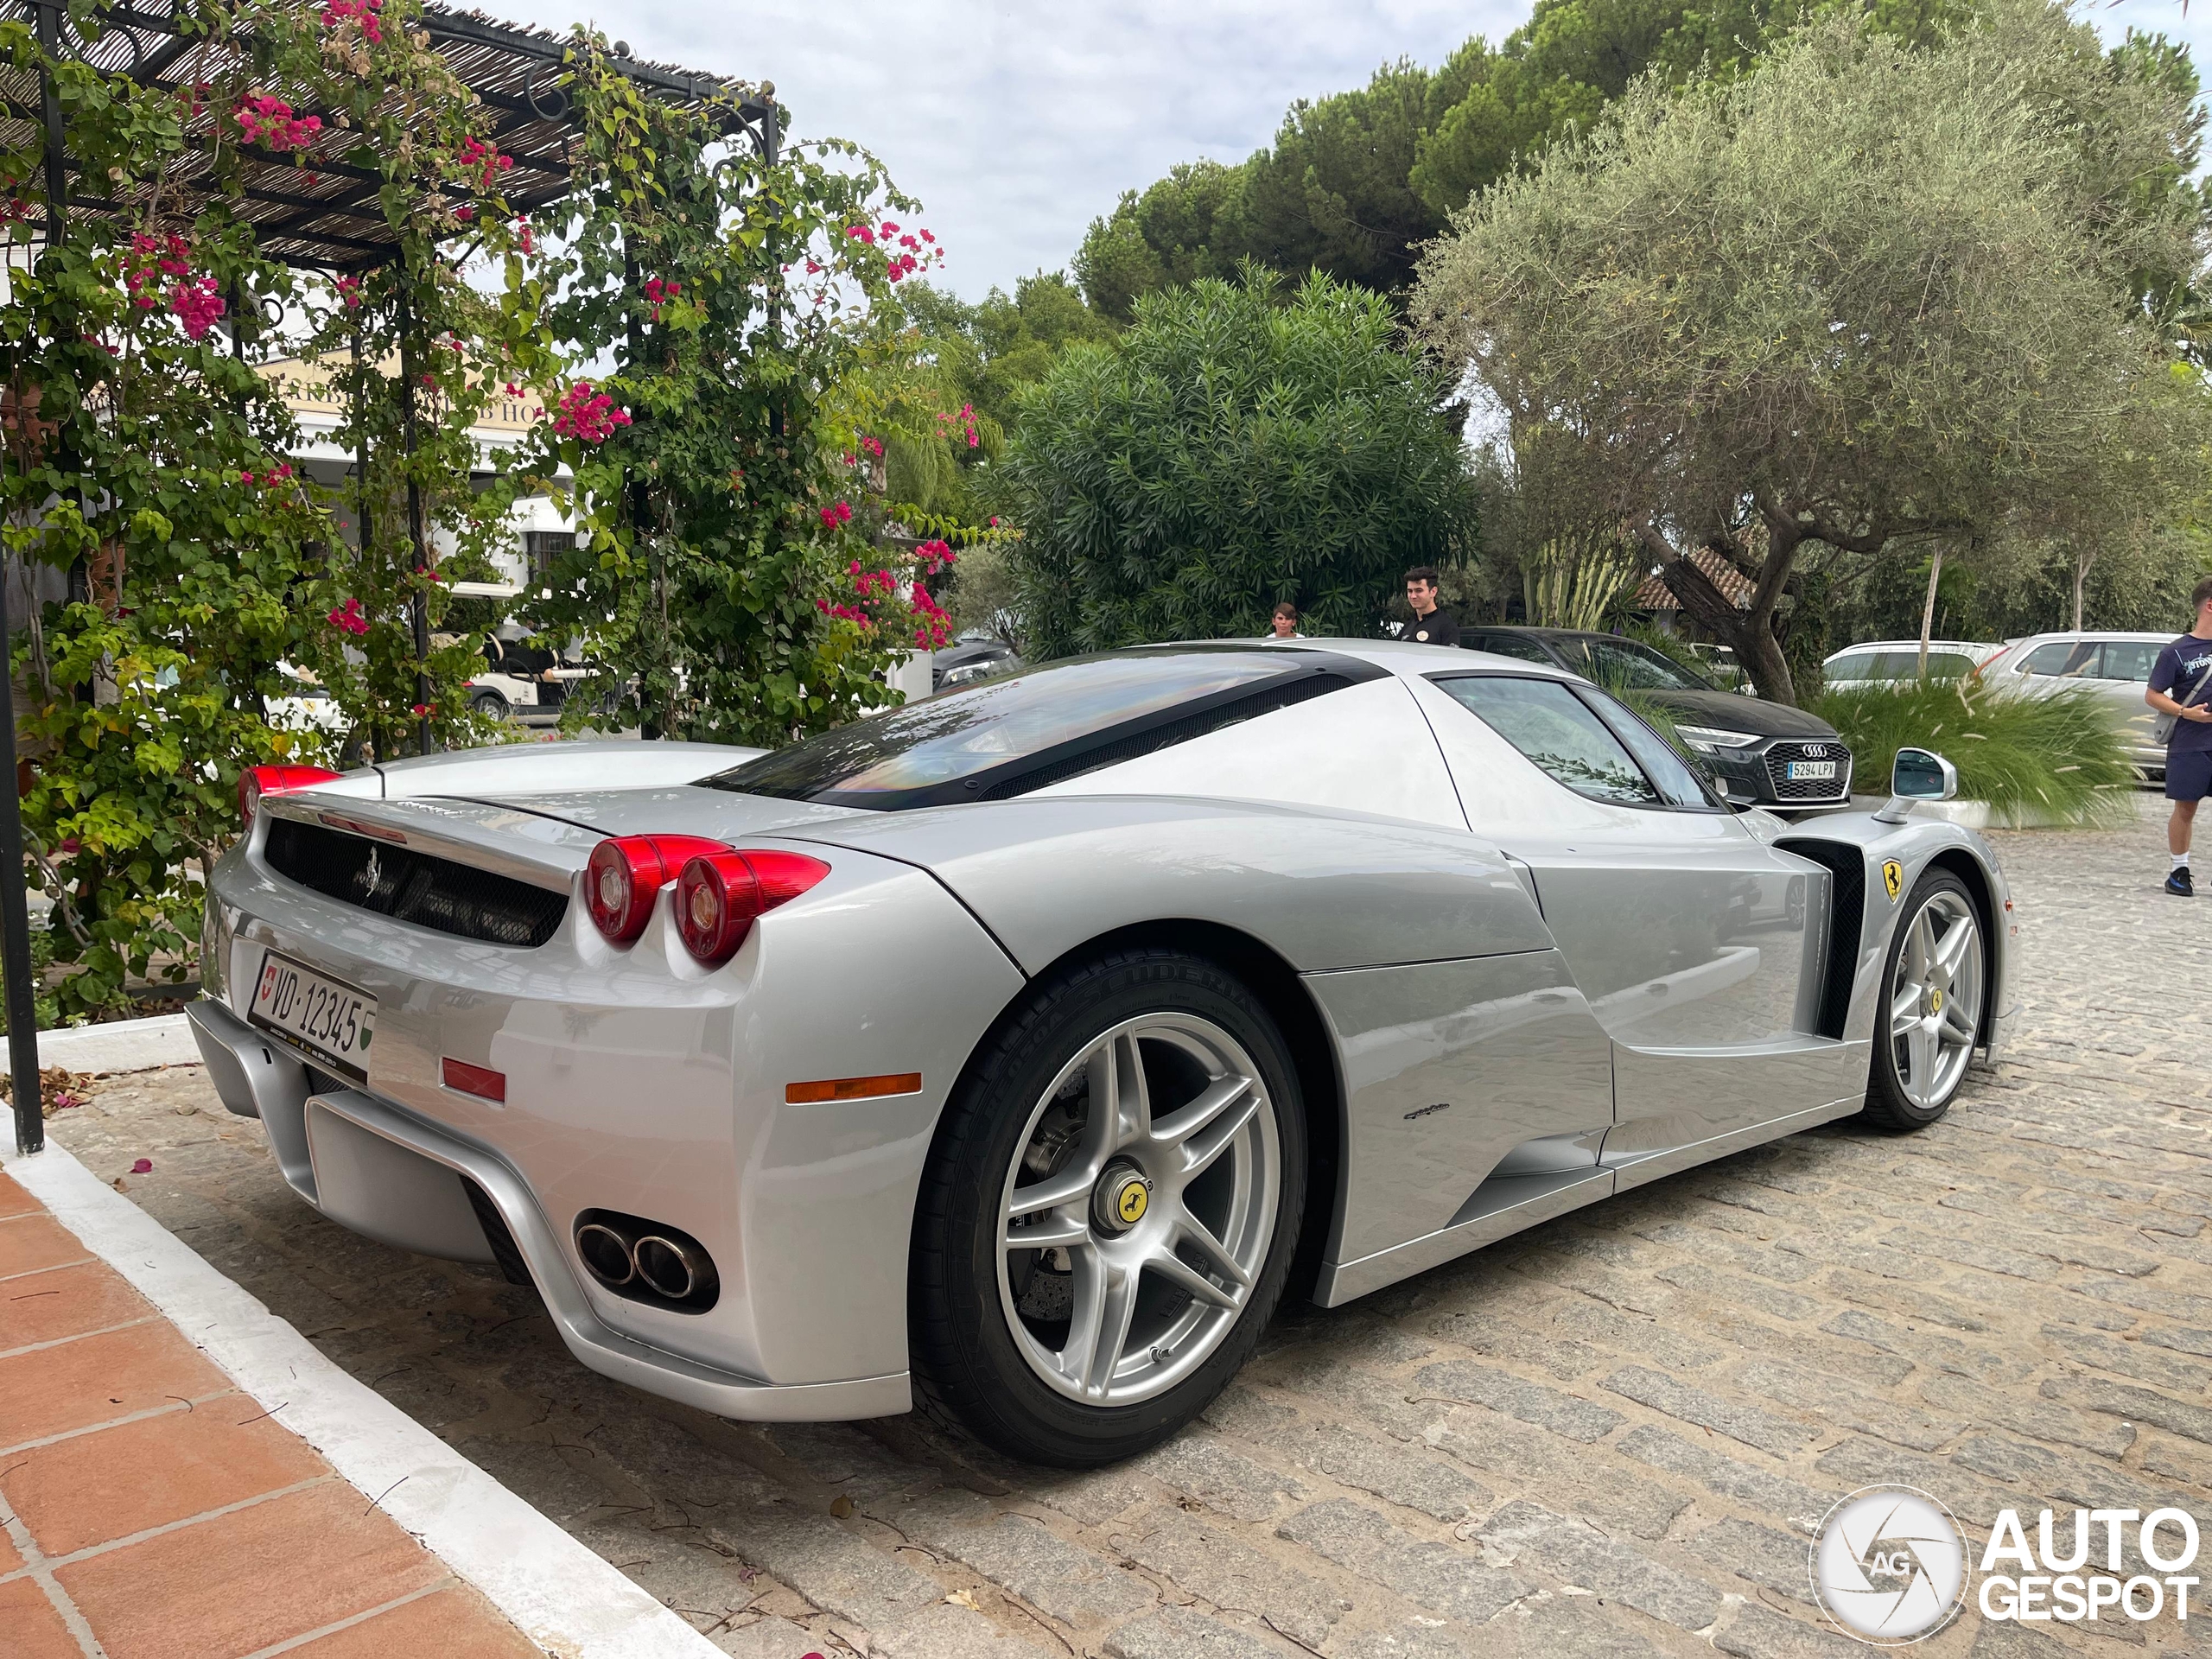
{"x": 896, "y": 1083}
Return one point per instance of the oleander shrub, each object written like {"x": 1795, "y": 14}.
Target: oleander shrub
{"x": 2032, "y": 759}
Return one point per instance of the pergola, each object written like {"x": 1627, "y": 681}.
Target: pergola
{"x": 325, "y": 218}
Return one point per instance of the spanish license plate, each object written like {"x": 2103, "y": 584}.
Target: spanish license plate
{"x": 332, "y": 1021}
{"x": 1812, "y": 769}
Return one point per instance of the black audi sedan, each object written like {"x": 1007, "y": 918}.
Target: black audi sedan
{"x": 1768, "y": 752}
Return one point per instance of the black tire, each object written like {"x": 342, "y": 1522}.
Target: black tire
{"x": 1889, "y": 1104}
{"x": 491, "y": 703}
{"x": 967, "y": 1368}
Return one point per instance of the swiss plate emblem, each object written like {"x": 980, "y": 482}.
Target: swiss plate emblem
{"x": 1893, "y": 877}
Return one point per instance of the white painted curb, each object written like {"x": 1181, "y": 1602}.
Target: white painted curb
{"x": 556, "y": 1591}
{"x": 122, "y": 1044}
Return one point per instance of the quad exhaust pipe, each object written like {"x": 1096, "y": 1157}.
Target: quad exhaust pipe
{"x": 647, "y": 1261}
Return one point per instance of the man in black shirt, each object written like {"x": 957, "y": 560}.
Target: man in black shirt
{"x": 1430, "y": 627}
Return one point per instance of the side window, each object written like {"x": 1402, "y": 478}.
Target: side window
{"x": 2129, "y": 659}
{"x": 1676, "y": 779}
{"x": 1557, "y": 730}
{"x": 1858, "y": 665}
{"x": 2062, "y": 657}
{"x": 1514, "y": 644}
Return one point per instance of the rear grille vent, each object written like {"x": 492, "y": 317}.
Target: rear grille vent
{"x": 1238, "y": 710}
{"x": 411, "y": 887}
{"x": 1786, "y": 788}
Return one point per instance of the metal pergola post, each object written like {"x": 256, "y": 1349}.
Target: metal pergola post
{"x": 15, "y": 900}
{"x": 408, "y": 361}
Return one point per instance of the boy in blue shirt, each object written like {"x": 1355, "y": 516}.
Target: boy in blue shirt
{"x": 2180, "y": 687}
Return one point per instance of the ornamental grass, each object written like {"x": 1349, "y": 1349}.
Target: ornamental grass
{"x": 2034, "y": 759}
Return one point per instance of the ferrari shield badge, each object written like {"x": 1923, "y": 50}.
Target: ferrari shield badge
{"x": 1893, "y": 877}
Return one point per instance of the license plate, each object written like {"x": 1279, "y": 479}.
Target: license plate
{"x": 1812, "y": 769}
{"x": 332, "y": 1021}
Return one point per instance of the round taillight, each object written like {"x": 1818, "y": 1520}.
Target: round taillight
{"x": 714, "y": 904}
{"x": 720, "y": 893}
{"x": 620, "y": 884}
{"x": 626, "y": 873}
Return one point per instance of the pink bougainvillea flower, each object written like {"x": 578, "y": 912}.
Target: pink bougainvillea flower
{"x": 197, "y": 304}
{"x": 142, "y": 1167}
{"x": 588, "y": 415}
{"x": 269, "y": 123}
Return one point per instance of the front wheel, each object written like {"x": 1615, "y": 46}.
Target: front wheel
{"x": 1110, "y": 1210}
{"x": 1929, "y": 1018}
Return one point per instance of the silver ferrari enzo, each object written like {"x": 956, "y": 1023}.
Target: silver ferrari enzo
{"x": 1018, "y": 1048}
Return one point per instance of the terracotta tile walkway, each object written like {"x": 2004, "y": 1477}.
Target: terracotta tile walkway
{"x": 149, "y": 1509}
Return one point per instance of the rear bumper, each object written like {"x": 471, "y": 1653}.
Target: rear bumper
{"x": 388, "y": 1172}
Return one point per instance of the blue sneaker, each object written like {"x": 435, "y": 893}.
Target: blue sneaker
{"x": 2179, "y": 883}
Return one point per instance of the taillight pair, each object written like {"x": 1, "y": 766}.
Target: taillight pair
{"x": 719, "y": 890}
{"x": 258, "y": 781}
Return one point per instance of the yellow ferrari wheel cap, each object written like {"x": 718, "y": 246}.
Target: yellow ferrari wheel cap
{"x": 1129, "y": 1203}
{"x": 1935, "y": 1002}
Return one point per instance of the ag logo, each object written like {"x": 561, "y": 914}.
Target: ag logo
{"x": 1890, "y": 1566}
{"x": 1893, "y": 876}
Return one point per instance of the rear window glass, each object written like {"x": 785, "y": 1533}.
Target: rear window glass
{"x": 960, "y": 743}
{"x": 1554, "y": 727}
{"x": 1858, "y": 665}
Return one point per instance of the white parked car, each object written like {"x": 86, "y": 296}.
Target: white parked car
{"x": 306, "y": 706}
{"x": 2117, "y": 666}
{"x": 1882, "y": 662}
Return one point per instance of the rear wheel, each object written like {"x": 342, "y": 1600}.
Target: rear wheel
{"x": 1110, "y": 1210}
{"x": 1929, "y": 1018}
{"x": 491, "y": 703}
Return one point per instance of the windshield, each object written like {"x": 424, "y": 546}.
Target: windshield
{"x": 1630, "y": 663}
{"x": 960, "y": 735}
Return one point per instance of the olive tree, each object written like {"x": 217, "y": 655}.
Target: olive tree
{"x": 1866, "y": 295}
{"x": 1240, "y": 444}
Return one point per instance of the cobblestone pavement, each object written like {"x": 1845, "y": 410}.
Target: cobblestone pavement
{"x": 1607, "y": 1436}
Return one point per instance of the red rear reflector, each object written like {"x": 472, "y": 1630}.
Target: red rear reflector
{"x": 258, "y": 781}
{"x": 896, "y": 1082}
{"x": 485, "y": 1083}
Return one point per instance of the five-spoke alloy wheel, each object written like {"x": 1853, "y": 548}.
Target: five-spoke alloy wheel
{"x": 1929, "y": 1021}
{"x": 1112, "y": 1203}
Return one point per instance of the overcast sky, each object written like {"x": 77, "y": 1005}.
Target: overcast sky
{"x": 1017, "y": 124}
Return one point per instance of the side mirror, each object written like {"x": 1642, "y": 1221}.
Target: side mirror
{"x": 1917, "y": 775}
{"x": 1923, "y": 775}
